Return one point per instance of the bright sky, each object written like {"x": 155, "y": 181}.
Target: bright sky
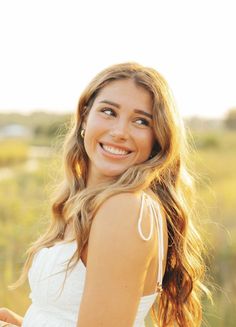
{"x": 50, "y": 49}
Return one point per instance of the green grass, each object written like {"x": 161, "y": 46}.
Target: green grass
{"x": 12, "y": 152}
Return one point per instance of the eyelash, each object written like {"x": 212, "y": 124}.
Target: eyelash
{"x": 108, "y": 109}
{"x": 145, "y": 121}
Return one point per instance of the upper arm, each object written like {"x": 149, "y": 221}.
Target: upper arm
{"x": 116, "y": 265}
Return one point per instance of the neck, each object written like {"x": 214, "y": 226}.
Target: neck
{"x": 94, "y": 180}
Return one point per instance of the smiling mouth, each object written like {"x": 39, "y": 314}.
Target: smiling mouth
{"x": 113, "y": 150}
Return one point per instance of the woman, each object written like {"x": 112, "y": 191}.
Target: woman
{"x": 121, "y": 240}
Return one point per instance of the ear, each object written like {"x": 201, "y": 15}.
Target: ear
{"x": 85, "y": 117}
{"x": 84, "y": 122}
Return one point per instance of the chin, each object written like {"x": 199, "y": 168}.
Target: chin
{"x": 113, "y": 172}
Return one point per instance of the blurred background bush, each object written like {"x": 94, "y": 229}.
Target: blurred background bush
{"x": 29, "y": 165}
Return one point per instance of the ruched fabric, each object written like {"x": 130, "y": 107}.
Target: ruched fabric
{"x": 57, "y": 305}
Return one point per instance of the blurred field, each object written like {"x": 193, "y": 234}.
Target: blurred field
{"x": 12, "y": 152}
{"x": 24, "y": 210}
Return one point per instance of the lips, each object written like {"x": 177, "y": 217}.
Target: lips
{"x": 115, "y": 150}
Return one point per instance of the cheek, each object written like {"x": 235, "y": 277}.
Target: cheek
{"x": 145, "y": 142}
{"x": 95, "y": 124}
{"x": 94, "y": 130}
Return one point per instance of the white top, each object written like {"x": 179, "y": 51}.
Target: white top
{"x": 54, "y": 306}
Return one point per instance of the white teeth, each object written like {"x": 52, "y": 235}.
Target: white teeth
{"x": 113, "y": 150}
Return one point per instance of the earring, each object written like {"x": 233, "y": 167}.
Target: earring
{"x": 82, "y": 132}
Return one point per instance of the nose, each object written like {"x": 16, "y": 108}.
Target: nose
{"x": 119, "y": 130}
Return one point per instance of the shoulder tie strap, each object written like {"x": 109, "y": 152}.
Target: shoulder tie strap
{"x": 159, "y": 223}
{"x": 158, "y": 218}
{"x": 140, "y": 220}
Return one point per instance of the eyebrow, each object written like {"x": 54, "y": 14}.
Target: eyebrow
{"x": 139, "y": 111}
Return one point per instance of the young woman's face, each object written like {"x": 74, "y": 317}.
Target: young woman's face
{"x": 118, "y": 130}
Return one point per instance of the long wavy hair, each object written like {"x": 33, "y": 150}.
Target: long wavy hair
{"x": 165, "y": 173}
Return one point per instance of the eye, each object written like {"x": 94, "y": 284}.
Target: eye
{"x": 108, "y": 111}
{"x": 142, "y": 121}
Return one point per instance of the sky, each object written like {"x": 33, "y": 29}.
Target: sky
{"x": 50, "y": 50}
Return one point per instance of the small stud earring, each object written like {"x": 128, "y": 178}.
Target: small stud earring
{"x": 82, "y": 132}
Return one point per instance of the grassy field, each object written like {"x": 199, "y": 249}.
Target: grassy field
{"x": 12, "y": 152}
{"x": 24, "y": 210}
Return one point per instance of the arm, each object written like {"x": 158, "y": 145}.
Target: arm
{"x": 11, "y": 317}
{"x": 116, "y": 266}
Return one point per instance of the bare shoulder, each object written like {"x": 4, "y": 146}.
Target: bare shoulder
{"x": 123, "y": 201}
{"x": 121, "y": 210}
{"x": 116, "y": 222}
{"x": 117, "y": 205}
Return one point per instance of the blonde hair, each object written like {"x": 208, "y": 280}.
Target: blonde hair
{"x": 164, "y": 172}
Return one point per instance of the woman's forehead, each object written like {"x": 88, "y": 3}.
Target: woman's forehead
{"x": 125, "y": 92}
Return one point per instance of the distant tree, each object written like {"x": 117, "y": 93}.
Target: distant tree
{"x": 230, "y": 119}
